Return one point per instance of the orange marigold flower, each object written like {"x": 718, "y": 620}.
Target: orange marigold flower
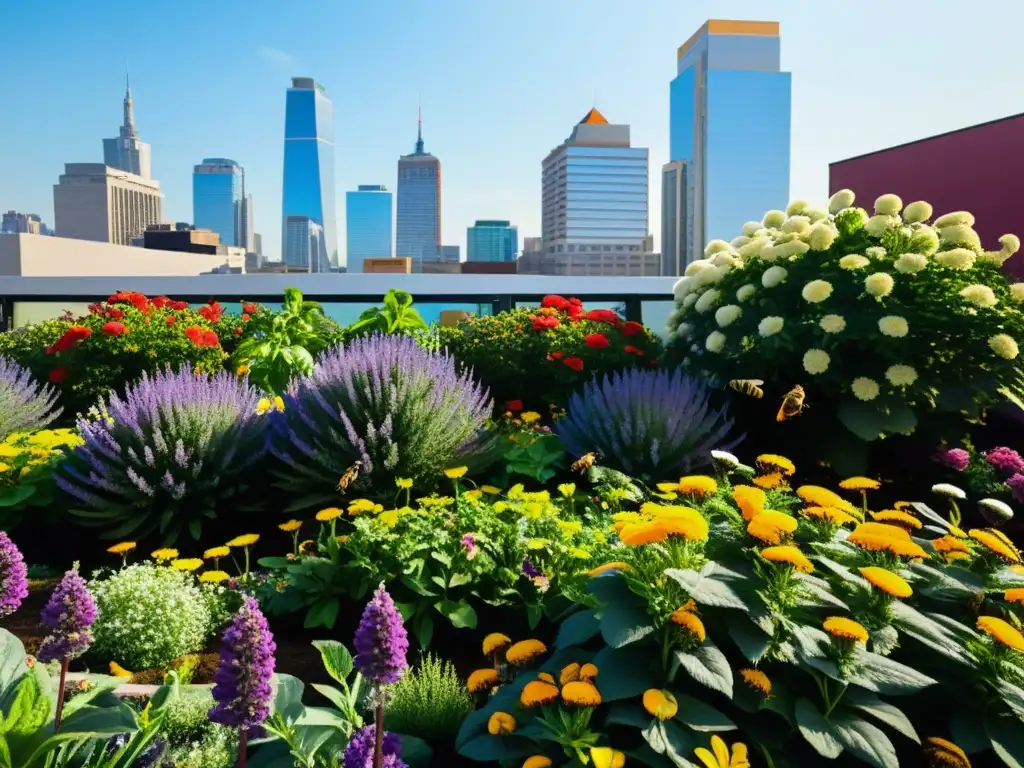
{"x": 770, "y": 481}
{"x": 1005, "y": 633}
{"x": 547, "y": 677}
{"x": 776, "y": 462}
{"x": 860, "y": 484}
{"x": 750, "y": 500}
{"x": 524, "y": 652}
{"x": 771, "y": 526}
{"x": 570, "y": 673}
{"x": 882, "y": 543}
{"x": 789, "y": 555}
{"x": 993, "y": 542}
{"x": 840, "y": 626}
{"x": 660, "y": 704}
{"x": 537, "y": 693}
{"x": 945, "y": 754}
{"x": 698, "y": 485}
{"x": 901, "y": 505}
{"x": 691, "y": 623}
{"x": 895, "y": 517}
{"x": 682, "y": 521}
{"x": 588, "y": 672}
{"x": 501, "y": 724}
{"x": 757, "y": 680}
{"x": 638, "y": 534}
{"x": 881, "y": 529}
{"x": 946, "y": 544}
{"x": 613, "y": 566}
{"x": 1014, "y": 595}
{"x": 481, "y": 680}
{"x": 823, "y": 497}
{"x": 831, "y": 514}
{"x": 537, "y": 761}
{"x": 891, "y": 583}
{"x": 581, "y": 694}
{"x": 496, "y": 642}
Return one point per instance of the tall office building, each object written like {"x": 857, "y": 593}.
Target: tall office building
{"x": 418, "y": 225}
{"x": 218, "y": 198}
{"x": 309, "y": 171}
{"x": 127, "y": 152}
{"x": 92, "y": 201}
{"x": 304, "y": 241}
{"x": 491, "y": 240}
{"x": 676, "y": 201}
{"x": 729, "y": 108}
{"x": 367, "y": 225}
{"x": 246, "y": 224}
{"x": 595, "y": 191}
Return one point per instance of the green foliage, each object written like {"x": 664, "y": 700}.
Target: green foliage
{"x": 192, "y": 740}
{"x": 430, "y": 701}
{"x": 148, "y": 616}
{"x": 533, "y": 453}
{"x": 27, "y": 464}
{"x": 395, "y": 316}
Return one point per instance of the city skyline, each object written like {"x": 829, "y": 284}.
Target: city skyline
{"x": 490, "y": 123}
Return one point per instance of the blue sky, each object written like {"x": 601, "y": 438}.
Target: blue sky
{"x": 501, "y": 83}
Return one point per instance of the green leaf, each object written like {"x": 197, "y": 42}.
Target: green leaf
{"x": 885, "y": 640}
{"x": 899, "y": 419}
{"x": 423, "y": 628}
{"x": 861, "y": 419}
{"x": 705, "y": 589}
{"x": 622, "y": 713}
{"x": 708, "y": 666}
{"x": 1005, "y": 734}
{"x": 333, "y": 695}
{"x": 287, "y": 700}
{"x": 699, "y": 716}
{"x": 416, "y": 753}
{"x": 958, "y": 582}
{"x": 930, "y": 633}
{"x": 15, "y": 494}
{"x": 459, "y": 613}
{"x": 892, "y": 716}
{"x": 622, "y": 625}
{"x": 968, "y": 731}
{"x": 323, "y": 613}
{"x": 626, "y": 672}
{"x": 752, "y": 642}
{"x": 818, "y": 593}
{"x": 29, "y": 709}
{"x": 487, "y": 748}
{"x": 816, "y": 730}
{"x": 883, "y": 675}
{"x": 866, "y": 741}
{"x": 337, "y": 659}
{"x": 610, "y": 588}
{"x": 577, "y": 629}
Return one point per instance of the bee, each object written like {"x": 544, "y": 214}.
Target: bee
{"x": 350, "y": 476}
{"x": 748, "y": 387}
{"x": 584, "y": 462}
{"x": 792, "y": 404}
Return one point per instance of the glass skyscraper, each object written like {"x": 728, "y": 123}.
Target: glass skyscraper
{"x": 309, "y": 171}
{"x": 367, "y": 225}
{"x": 304, "y": 240}
{"x": 729, "y": 108}
{"x": 218, "y": 199}
{"x": 492, "y": 241}
{"x": 418, "y": 225}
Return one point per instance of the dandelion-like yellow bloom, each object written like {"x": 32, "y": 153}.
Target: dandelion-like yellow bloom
{"x": 896, "y": 517}
{"x": 990, "y": 539}
{"x": 684, "y": 522}
{"x": 660, "y": 704}
{"x": 776, "y": 462}
{"x": 496, "y": 642}
{"x": 569, "y": 527}
{"x": 757, "y": 680}
{"x": 944, "y": 754}
{"x": 831, "y": 514}
{"x": 606, "y": 567}
{"x": 567, "y": 490}
{"x": 668, "y": 487}
{"x": 481, "y": 680}
{"x": 454, "y": 473}
{"x": 750, "y": 500}
{"x": 789, "y": 555}
{"x": 501, "y": 724}
{"x": 242, "y": 370}
{"x": 884, "y": 543}
{"x": 771, "y": 526}
{"x": 122, "y": 548}
{"x": 891, "y": 583}
{"x": 770, "y": 481}
{"x": 606, "y": 757}
{"x": 547, "y": 677}
{"x": 167, "y": 553}
{"x": 529, "y": 417}
{"x": 491, "y": 490}
{"x": 523, "y": 652}
{"x": 948, "y": 544}
{"x": 263, "y": 405}
{"x": 537, "y": 693}
{"x": 188, "y": 564}
{"x": 847, "y": 629}
{"x": 860, "y": 484}
{"x": 328, "y": 514}
{"x": 1014, "y": 595}
{"x": 581, "y": 694}
{"x": 823, "y": 497}
{"x": 588, "y": 673}
{"x": 290, "y": 526}
{"x": 570, "y": 673}
{"x": 638, "y": 534}
{"x": 720, "y": 757}
{"x": 1005, "y": 633}
{"x": 118, "y": 671}
{"x": 213, "y": 577}
{"x": 537, "y": 761}
{"x": 697, "y": 485}
{"x": 690, "y": 622}
{"x": 245, "y": 540}
{"x": 214, "y": 552}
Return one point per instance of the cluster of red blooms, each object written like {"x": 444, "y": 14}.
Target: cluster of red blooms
{"x": 573, "y": 307}
{"x": 202, "y": 337}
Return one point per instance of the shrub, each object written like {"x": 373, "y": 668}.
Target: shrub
{"x": 539, "y": 356}
{"x": 27, "y": 466}
{"x": 25, "y": 405}
{"x": 384, "y": 401}
{"x": 193, "y": 741}
{"x": 162, "y": 458}
{"x": 430, "y": 702}
{"x": 148, "y": 616}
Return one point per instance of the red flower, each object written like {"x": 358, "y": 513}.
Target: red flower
{"x": 170, "y": 320}
{"x": 631, "y": 350}
{"x": 245, "y": 317}
{"x": 249, "y": 308}
{"x": 574, "y": 362}
{"x": 210, "y": 339}
{"x": 556, "y": 355}
{"x": 212, "y": 311}
{"x": 57, "y": 375}
{"x": 603, "y": 316}
{"x": 114, "y": 313}
{"x": 574, "y": 309}
{"x": 632, "y": 328}
{"x": 195, "y": 334}
{"x": 136, "y": 299}
{"x": 554, "y": 302}
{"x": 514, "y": 405}
{"x": 69, "y": 339}
{"x": 177, "y": 305}
{"x": 596, "y": 340}
{"x": 544, "y": 322}
{"x": 238, "y": 331}
{"x": 160, "y": 302}
{"x": 114, "y": 328}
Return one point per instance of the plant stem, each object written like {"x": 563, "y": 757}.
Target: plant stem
{"x": 378, "y": 747}
{"x": 243, "y": 736}
{"x": 60, "y": 692}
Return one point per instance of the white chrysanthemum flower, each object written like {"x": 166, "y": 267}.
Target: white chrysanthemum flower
{"x": 901, "y": 375}
{"x": 911, "y": 263}
{"x": 773, "y": 219}
{"x": 894, "y": 326}
{"x": 773, "y": 276}
{"x": 815, "y": 214}
{"x": 715, "y": 341}
{"x": 842, "y": 199}
{"x": 888, "y": 205}
{"x": 770, "y": 326}
{"x": 816, "y": 361}
{"x": 745, "y": 292}
{"x": 754, "y": 247}
{"x": 879, "y": 284}
{"x": 715, "y": 246}
{"x": 708, "y": 276}
{"x": 875, "y": 252}
{"x": 694, "y": 268}
{"x": 816, "y": 291}
{"x": 681, "y": 288}
{"x": 1010, "y": 244}
{"x": 880, "y": 223}
{"x": 854, "y": 261}
{"x": 1004, "y": 346}
{"x": 675, "y": 317}
{"x": 955, "y": 219}
{"x": 751, "y": 228}
{"x": 832, "y": 323}
{"x": 924, "y": 240}
{"x": 739, "y": 242}
{"x": 854, "y": 218}
{"x": 864, "y": 388}
{"x": 726, "y": 459}
{"x": 727, "y": 260}
{"x": 960, "y": 235}
{"x": 979, "y": 295}
{"x": 707, "y": 300}
{"x": 684, "y": 330}
{"x": 995, "y": 258}
{"x": 958, "y": 258}
{"x": 918, "y": 212}
{"x": 1017, "y": 291}
{"x": 792, "y": 248}
{"x": 728, "y": 314}
{"x": 945, "y": 489}
{"x": 689, "y": 300}
{"x": 821, "y": 236}
{"x": 797, "y": 225}
{"x": 769, "y": 253}
{"x": 797, "y": 207}
{"x": 995, "y": 512}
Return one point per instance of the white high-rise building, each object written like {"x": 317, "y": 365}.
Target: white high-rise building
{"x": 94, "y": 202}
{"x": 305, "y": 243}
{"x": 127, "y": 152}
{"x": 246, "y": 233}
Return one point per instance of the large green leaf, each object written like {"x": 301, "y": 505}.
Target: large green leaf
{"x": 611, "y": 589}
{"x": 861, "y": 419}
{"x": 866, "y": 741}
{"x": 622, "y": 625}
{"x": 487, "y": 748}
{"x": 336, "y": 657}
{"x": 705, "y": 589}
{"x": 925, "y": 630}
{"x": 883, "y": 675}
{"x": 818, "y": 593}
{"x": 460, "y": 613}
{"x": 626, "y": 672}
{"x": 1007, "y": 738}
{"x": 707, "y": 665}
{"x": 887, "y": 713}
{"x": 287, "y": 700}
{"x": 698, "y": 716}
{"x": 751, "y": 641}
{"x": 816, "y": 730}
{"x": 577, "y": 629}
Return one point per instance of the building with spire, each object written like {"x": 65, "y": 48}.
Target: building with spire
{"x": 418, "y": 219}
{"x": 127, "y": 152}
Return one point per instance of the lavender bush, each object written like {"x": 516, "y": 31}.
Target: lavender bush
{"x": 651, "y": 425}
{"x": 399, "y": 409}
{"x": 163, "y": 456}
{"x": 25, "y": 405}
{"x": 13, "y": 576}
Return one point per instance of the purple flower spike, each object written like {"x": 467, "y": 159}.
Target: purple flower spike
{"x": 242, "y": 682}
{"x": 13, "y": 576}
{"x": 381, "y": 641}
{"x": 956, "y": 458}
{"x": 1006, "y": 460}
{"x": 1016, "y": 486}
{"x": 359, "y": 752}
{"x": 68, "y": 614}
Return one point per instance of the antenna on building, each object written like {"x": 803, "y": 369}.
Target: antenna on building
{"x": 419, "y": 125}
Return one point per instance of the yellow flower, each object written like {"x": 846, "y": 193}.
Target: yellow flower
{"x": 167, "y": 553}
{"x": 537, "y": 543}
{"x": 1001, "y": 631}
{"x": 750, "y": 500}
{"x": 832, "y": 515}
{"x": 454, "y": 473}
{"x": 365, "y": 505}
{"x": 991, "y": 540}
{"x": 403, "y": 482}
{"x": 881, "y": 529}
{"x": 682, "y": 521}
{"x": 668, "y": 487}
{"x": 122, "y": 548}
{"x": 896, "y": 517}
{"x": 776, "y": 462}
{"x": 860, "y": 484}
{"x": 569, "y": 673}
{"x": 880, "y": 543}
{"x": 529, "y": 417}
{"x": 570, "y": 527}
{"x": 606, "y": 757}
{"x": 278, "y": 403}
{"x": 288, "y": 527}
{"x": 945, "y": 754}
{"x": 770, "y": 481}
{"x": 697, "y": 485}
{"x": 213, "y": 577}
{"x": 1014, "y": 595}
{"x": 887, "y": 581}
{"x": 473, "y": 494}
{"x": 579, "y": 553}
{"x": 789, "y": 555}
{"x": 490, "y": 490}
{"x": 771, "y": 526}
{"x": 948, "y": 544}
{"x": 524, "y": 652}
{"x": 757, "y": 680}
{"x": 847, "y": 629}
{"x": 690, "y": 622}
{"x": 721, "y": 758}
{"x": 612, "y": 566}
{"x": 567, "y": 490}
{"x": 823, "y": 497}
{"x": 242, "y": 370}
{"x": 588, "y": 673}
{"x": 638, "y": 534}
{"x": 537, "y": 761}
{"x": 501, "y": 724}
{"x": 1004, "y": 346}
{"x": 245, "y": 540}
{"x": 187, "y": 564}
{"x": 660, "y": 704}
{"x": 537, "y": 693}
{"x": 326, "y": 515}
{"x": 581, "y": 694}
{"x": 496, "y": 642}
{"x": 118, "y": 671}
{"x": 263, "y": 405}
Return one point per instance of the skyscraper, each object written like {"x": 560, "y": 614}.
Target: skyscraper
{"x": 367, "y": 224}
{"x": 304, "y": 240}
{"x": 490, "y": 240}
{"x": 127, "y": 152}
{"x": 246, "y": 223}
{"x": 676, "y": 204}
{"x": 309, "y": 171}
{"x": 95, "y": 202}
{"x": 218, "y": 198}
{"x": 729, "y": 107}
{"x": 418, "y": 226}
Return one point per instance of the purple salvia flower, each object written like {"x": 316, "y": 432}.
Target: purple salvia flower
{"x": 359, "y": 752}
{"x": 25, "y": 405}
{"x": 242, "y": 683}
{"x": 381, "y": 641}
{"x": 1016, "y": 486}
{"x": 530, "y": 570}
{"x": 955, "y": 458}
{"x": 1006, "y": 460}
{"x": 468, "y": 542}
{"x": 68, "y": 615}
{"x": 13, "y": 576}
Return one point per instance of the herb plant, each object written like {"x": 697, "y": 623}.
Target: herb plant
{"x": 430, "y": 702}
